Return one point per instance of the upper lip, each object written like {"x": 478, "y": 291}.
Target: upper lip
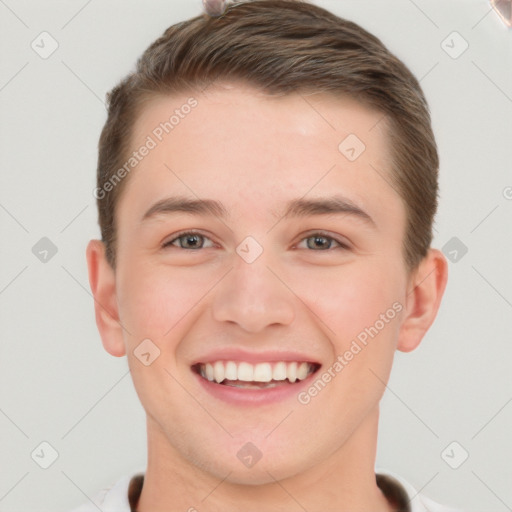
{"x": 255, "y": 357}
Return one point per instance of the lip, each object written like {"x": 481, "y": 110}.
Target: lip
{"x": 262, "y": 396}
{"x": 240, "y": 396}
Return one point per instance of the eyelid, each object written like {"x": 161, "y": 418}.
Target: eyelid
{"x": 341, "y": 241}
{"x": 343, "y": 244}
{"x": 167, "y": 242}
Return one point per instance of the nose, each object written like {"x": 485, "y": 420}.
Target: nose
{"x": 252, "y": 296}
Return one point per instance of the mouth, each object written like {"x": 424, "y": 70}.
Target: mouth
{"x": 262, "y": 375}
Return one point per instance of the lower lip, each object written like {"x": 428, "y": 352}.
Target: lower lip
{"x": 246, "y": 396}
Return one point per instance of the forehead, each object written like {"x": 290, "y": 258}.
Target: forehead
{"x": 255, "y": 150}
{"x": 245, "y": 113}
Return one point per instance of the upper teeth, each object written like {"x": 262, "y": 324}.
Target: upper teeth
{"x": 260, "y": 372}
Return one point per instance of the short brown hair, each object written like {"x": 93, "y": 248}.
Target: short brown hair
{"x": 281, "y": 47}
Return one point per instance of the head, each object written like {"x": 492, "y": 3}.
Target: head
{"x": 271, "y": 105}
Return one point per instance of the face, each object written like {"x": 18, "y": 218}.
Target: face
{"x": 293, "y": 269}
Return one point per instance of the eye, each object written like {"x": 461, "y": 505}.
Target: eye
{"x": 190, "y": 240}
{"x": 322, "y": 242}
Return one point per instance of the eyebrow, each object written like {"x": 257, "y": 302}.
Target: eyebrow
{"x": 294, "y": 208}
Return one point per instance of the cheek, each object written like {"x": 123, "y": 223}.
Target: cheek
{"x": 153, "y": 302}
{"x": 351, "y": 298}
{"x": 361, "y": 305}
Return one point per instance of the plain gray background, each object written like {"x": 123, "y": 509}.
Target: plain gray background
{"x": 57, "y": 385}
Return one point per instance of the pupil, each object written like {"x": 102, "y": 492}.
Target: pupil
{"x": 191, "y": 240}
{"x": 320, "y": 241}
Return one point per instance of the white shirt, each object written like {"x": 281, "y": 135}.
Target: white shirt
{"x": 115, "y": 498}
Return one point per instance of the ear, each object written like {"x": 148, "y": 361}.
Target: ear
{"x": 103, "y": 286}
{"x": 425, "y": 291}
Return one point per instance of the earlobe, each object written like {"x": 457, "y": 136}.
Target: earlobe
{"x": 103, "y": 286}
{"x": 424, "y": 296}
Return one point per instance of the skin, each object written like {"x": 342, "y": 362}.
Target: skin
{"x": 253, "y": 153}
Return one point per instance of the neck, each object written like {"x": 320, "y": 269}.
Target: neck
{"x": 346, "y": 480}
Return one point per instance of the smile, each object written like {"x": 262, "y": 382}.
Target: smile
{"x": 261, "y": 375}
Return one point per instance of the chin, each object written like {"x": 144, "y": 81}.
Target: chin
{"x": 247, "y": 463}
{"x": 261, "y": 473}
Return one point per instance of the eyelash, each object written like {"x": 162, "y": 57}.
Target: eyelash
{"x": 341, "y": 244}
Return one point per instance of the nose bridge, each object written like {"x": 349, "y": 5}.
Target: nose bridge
{"x": 251, "y": 295}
